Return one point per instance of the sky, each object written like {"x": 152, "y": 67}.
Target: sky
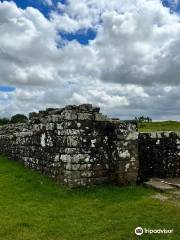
{"x": 120, "y": 55}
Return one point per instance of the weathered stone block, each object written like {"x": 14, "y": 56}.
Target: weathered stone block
{"x": 100, "y": 117}
{"x": 72, "y": 141}
{"x": 84, "y": 116}
{"x": 69, "y": 115}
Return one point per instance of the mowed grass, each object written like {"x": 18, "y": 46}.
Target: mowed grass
{"x": 32, "y": 207}
{"x": 159, "y": 126}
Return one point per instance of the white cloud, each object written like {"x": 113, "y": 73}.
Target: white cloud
{"x": 130, "y": 68}
{"x": 141, "y": 47}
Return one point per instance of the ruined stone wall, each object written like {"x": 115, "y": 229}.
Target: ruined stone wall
{"x": 75, "y": 145}
{"x": 159, "y": 154}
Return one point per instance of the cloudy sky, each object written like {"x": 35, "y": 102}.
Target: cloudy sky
{"x": 121, "y": 55}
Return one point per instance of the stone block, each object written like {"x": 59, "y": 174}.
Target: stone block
{"x": 69, "y": 115}
{"x": 84, "y": 116}
{"x": 72, "y": 141}
{"x": 100, "y": 117}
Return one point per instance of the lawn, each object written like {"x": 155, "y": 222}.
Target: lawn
{"x": 159, "y": 126}
{"x": 32, "y": 207}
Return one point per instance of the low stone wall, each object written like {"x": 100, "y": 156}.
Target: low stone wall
{"x": 78, "y": 146}
{"x": 75, "y": 145}
{"x": 159, "y": 155}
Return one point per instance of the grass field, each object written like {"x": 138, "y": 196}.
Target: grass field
{"x": 159, "y": 126}
{"x": 33, "y": 207}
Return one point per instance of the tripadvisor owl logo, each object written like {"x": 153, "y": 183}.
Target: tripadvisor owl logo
{"x": 139, "y": 231}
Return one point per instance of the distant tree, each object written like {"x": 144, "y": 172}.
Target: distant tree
{"x": 142, "y": 119}
{"x": 19, "y": 118}
{"x": 4, "y": 121}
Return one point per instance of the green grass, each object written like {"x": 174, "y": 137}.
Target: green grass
{"x": 33, "y": 207}
{"x": 159, "y": 126}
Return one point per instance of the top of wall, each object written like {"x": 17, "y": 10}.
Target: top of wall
{"x": 83, "y": 112}
{"x": 70, "y": 112}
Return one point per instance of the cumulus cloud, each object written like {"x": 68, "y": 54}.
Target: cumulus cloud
{"x": 26, "y": 45}
{"x": 140, "y": 38}
{"x": 130, "y": 68}
{"x": 142, "y": 46}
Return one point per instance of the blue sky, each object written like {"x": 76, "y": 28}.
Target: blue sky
{"x": 108, "y": 55}
{"x": 6, "y": 89}
{"x": 85, "y": 35}
{"x": 45, "y": 9}
{"x": 82, "y": 36}
{"x": 39, "y": 4}
{"x": 174, "y": 5}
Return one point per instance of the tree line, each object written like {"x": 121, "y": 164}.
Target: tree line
{"x": 17, "y": 118}
{"x": 142, "y": 119}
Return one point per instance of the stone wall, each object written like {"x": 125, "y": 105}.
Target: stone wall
{"x": 75, "y": 145}
{"x": 78, "y": 146}
{"x": 159, "y": 155}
